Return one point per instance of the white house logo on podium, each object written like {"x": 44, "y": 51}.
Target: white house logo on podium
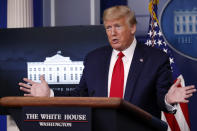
{"x": 179, "y": 26}
{"x": 56, "y": 70}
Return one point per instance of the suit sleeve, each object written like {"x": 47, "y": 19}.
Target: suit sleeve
{"x": 81, "y": 89}
{"x": 164, "y": 82}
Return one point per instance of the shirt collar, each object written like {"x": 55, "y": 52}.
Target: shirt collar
{"x": 129, "y": 51}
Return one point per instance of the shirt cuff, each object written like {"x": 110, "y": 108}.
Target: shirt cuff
{"x": 170, "y": 108}
{"x": 51, "y": 93}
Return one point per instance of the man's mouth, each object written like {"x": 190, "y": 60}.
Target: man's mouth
{"x": 115, "y": 41}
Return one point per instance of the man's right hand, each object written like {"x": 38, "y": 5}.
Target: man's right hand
{"x": 32, "y": 88}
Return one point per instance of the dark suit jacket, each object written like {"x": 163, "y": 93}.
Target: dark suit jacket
{"x": 148, "y": 80}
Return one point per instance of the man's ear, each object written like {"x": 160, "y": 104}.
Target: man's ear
{"x": 133, "y": 29}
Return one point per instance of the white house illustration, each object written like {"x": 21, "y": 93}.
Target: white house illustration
{"x": 56, "y": 70}
{"x": 185, "y": 21}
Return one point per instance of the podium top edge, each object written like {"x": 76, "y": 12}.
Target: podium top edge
{"x": 60, "y": 101}
{"x": 93, "y": 102}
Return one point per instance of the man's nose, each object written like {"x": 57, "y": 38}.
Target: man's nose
{"x": 113, "y": 31}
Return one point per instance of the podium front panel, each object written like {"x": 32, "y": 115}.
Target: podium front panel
{"x": 56, "y": 118}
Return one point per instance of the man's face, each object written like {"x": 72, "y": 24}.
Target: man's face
{"x": 120, "y": 33}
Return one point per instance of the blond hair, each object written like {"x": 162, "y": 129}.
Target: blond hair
{"x": 117, "y": 12}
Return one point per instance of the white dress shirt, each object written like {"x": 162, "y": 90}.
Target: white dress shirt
{"x": 128, "y": 56}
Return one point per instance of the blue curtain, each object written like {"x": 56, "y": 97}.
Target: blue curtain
{"x": 38, "y": 13}
{"x": 3, "y": 13}
{"x": 3, "y": 24}
{"x": 3, "y": 123}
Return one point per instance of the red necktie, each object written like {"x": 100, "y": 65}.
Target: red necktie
{"x": 117, "y": 81}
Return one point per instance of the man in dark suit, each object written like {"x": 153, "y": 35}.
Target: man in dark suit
{"x": 144, "y": 75}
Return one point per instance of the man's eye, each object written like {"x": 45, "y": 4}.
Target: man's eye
{"x": 118, "y": 26}
{"x": 108, "y": 28}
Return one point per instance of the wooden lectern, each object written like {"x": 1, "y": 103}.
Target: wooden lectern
{"x": 107, "y": 114}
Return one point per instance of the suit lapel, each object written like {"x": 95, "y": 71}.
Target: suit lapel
{"x": 106, "y": 61}
{"x": 135, "y": 69}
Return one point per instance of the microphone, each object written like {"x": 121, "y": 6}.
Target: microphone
{"x": 92, "y": 93}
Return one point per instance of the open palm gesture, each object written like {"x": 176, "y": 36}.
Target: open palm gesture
{"x": 32, "y": 88}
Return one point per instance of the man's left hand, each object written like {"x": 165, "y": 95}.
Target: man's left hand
{"x": 177, "y": 94}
